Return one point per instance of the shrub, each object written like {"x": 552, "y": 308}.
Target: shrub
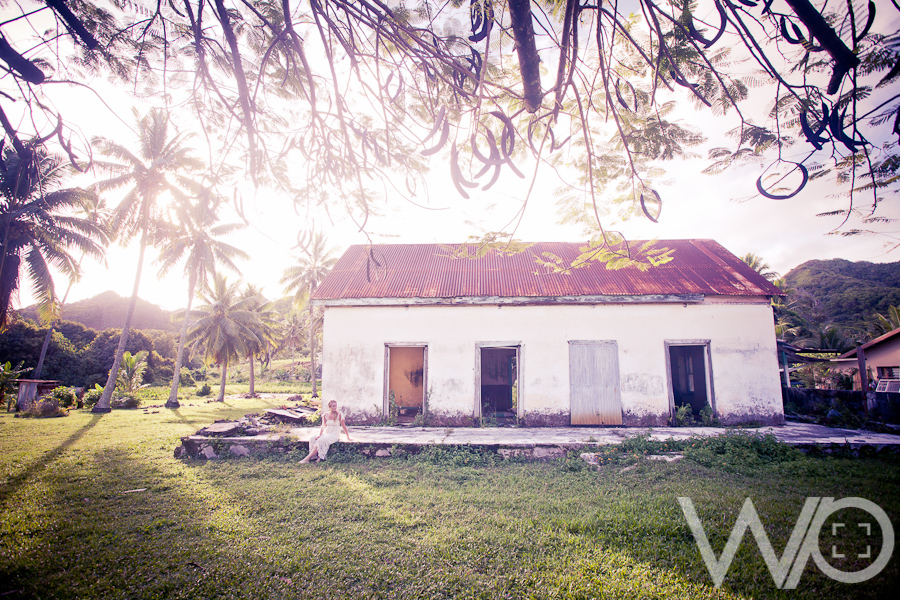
{"x": 186, "y": 379}
{"x": 707, "y": 418}
{"x": 205, "y": 390}
{"x": 684, "y": 416}
{"x": 643, "y": 444}
{"x": 740, "y": 451}
{"x": 43, "y": 408}
{"x": 92, "y": 396}
{"x": 163, "y": 373}
{"x": 124, "y": 402}
{"x": 64, "y": 396}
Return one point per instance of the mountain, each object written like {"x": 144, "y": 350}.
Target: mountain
{"x": 108, "y": 310}
{"x": 845, "y": 292}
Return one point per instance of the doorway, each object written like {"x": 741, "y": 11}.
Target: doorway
{"x": 405, "y": 381}
{"x": 594, "y": 394}
{"x": 689, "y": 376}
{"x": 498, "y": 382}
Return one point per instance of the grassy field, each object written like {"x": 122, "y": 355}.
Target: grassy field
{"x": 445, "y": 524}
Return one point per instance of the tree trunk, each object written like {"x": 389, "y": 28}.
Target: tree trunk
{"x": 529, "y": 62}
{"x": 102, "y": 405}
{"x": 252, "y": 378}
{"x": 293, "y": 357}
{"x": 312, "y": 352}
{"x": 40, "y": 366}
{"x": 221, "y": 397}
{"x": 172, "y": 402}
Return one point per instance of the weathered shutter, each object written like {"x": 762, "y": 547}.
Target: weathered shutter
{"x": 594, "y": 396}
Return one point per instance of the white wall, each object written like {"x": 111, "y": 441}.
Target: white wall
{"x": 742, "y": 343}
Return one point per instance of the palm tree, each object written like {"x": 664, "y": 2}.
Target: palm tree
{"x": 784, "y": 329}
{"x": 224, "y": 327}
{"x": 146, "y": 172}
{"x": 828, "y": 337}
{"x": 196, "y": 238}
{"x": 264, "y": 329}
{"x": 886, "y": 324}
{"x": 95, "y": 211}
{"x": 131, "y": 375}
{"x": 293, "y": 332}
{"x": 760, "y": 266}
{"x": 303, "y": 279}
{"x": 8, "y": 374}
{"x": 37, "y": 228}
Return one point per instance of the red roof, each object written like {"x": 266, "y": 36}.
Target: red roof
{"x": 397, "y": 271}
{"x": 879, "y": 340}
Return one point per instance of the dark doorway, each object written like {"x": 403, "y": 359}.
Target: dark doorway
{"x": 499, "y": 382}
{"x": 688, "y": 377}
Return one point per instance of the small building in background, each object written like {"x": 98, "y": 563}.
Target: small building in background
{"x": 411, "y": 330}
{"x": 881, "y": 357}
{"x": 31, "y": 389}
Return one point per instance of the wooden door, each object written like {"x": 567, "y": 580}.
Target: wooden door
{"x": 594, "y": 395}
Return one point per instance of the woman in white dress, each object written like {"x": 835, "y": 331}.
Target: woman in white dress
{"x": 329, "y": 433}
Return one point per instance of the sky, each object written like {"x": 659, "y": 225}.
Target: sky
{"x": 784, "y": 233}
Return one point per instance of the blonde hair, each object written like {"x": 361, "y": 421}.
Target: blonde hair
{"x": 332, "y": 408}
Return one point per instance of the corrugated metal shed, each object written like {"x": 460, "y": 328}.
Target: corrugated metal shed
{"x": 396, "y": 271}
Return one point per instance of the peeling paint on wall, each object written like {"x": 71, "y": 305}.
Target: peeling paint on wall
{"x": 642, "y": 383}
{"x": 742, "y": 356}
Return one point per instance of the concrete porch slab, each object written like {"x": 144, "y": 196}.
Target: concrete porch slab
{"x": 792, "y": 433}
{"x": 536, "y": 442}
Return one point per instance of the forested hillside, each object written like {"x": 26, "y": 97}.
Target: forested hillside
{"x": 82, "y": 356}
{"x": 844, "y": 292}
{"x": 108, "y": 310}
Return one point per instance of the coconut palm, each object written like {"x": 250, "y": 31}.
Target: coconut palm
{"x": 147, "y": 172}
{"x": 887, "y": 323}
{"x": 303, "y": 279}
{"x": 94, "y": 210}
{"x": 760, "y": 266}
{"x": 37, "y": 227}
{"x": 196, "y": 238}
{"x": 131, "y": 375}
{"x": 292, "y": 335}
{"x": 265, "y": 329}
{"x": 224, "y": 327}
{"x": 828, "y": 337}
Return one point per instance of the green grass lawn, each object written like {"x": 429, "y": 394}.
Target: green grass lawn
{"x": 433, "y": 526}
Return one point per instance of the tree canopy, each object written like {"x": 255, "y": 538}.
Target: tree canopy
{"x": 362, "y": 92}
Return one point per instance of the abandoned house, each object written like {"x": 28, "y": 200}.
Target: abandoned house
{"x": 411, "y": 328}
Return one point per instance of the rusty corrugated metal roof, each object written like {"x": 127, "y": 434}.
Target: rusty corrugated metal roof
{"x": 428, "y": 271}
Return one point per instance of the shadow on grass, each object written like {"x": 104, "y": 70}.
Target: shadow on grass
{"x": 152, "y": 532}
{"x": 183, "y": 419}
{"x": 15, "y": 482}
